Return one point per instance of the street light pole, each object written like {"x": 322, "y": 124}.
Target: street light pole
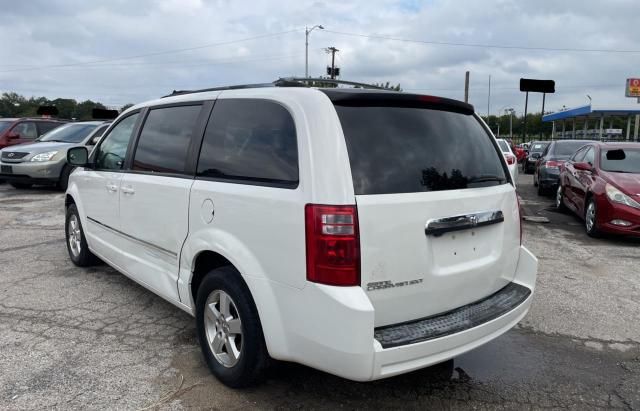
{"x": 306, "y": 46}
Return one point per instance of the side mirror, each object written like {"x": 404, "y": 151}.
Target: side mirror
{"x": 78, "y": 156}
{"x": 582, "y": 166}
{"x": 13, "y": 136}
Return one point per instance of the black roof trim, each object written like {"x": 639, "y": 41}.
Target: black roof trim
{"x": 370, "y": 98}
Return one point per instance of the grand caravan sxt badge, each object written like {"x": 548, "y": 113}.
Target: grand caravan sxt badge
{"x": 381, "y": 285}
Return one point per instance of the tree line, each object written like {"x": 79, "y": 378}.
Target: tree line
{"x": 16, "y": 105}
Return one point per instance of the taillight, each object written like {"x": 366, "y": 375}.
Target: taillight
{"x": 510, "y": 159}
{"x": 553, "y": 164}
{"x": 333, "y": 244}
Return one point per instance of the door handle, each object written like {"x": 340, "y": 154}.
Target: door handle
{"x": 112, "y": 188}
{"x": 128, "y": 190}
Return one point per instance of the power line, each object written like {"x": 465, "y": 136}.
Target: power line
{"x": 480, "y": 45}
{"x": 157, "y": 53}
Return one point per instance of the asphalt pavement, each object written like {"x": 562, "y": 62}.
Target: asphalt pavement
{"x": 73, "y": 338}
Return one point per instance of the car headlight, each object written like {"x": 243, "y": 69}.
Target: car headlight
{"x": 619, "y": 197}
{"x": 44, "y": 156}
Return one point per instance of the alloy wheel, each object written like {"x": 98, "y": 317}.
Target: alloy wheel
{"x": 75, "y": 236}
{"x": 559, "y": 197}
{"x": 590, "y": 217}
{"x": 223, "y": 328}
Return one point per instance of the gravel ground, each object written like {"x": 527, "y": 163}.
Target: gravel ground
{"x": 75, "y": 338}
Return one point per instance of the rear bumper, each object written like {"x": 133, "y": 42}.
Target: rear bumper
{"x": 548, "y": 177}
{"x": 335, "y": 333}
{"x": 47, "y": 172}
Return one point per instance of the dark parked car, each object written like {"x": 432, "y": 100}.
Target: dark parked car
{"x": 601, "y": 184}
{"x": 547, "y": 169}
{"x": 535, "y": 151}
{"x": 24, "y": 130}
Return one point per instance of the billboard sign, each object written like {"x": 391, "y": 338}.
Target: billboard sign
{"x": 537, "y": 86}
{"x": 633, "y": 87}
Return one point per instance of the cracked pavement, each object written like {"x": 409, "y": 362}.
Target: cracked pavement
{"x": 73, "y": 338}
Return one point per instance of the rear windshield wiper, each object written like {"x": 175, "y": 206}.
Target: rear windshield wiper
{"x": 484, "y": 179}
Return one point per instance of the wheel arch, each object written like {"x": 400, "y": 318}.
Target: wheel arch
{"x": 209, "y": 258}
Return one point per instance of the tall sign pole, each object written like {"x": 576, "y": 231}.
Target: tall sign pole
{"x": 633, "y": 90}
{"x": 535, "y": 86}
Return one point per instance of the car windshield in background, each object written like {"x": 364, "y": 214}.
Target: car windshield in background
{"x": 407, "y": 150}
{"x": 538, "y": 148}
{"x": 69, "y": 133}
{"x": 5, "y": 125}
{"x": 621, "y": 160}
{"x": 504, "y": 146}
{"x": 567, "y": 148}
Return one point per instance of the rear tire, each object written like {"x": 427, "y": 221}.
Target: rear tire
{"x": 77, "y": 247}
{"x": 21, "y": 186}
{"x": 541, "y": 190}
{"x": 231, "y": 338}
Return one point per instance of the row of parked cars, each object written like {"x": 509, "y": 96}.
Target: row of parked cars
{"x": 34, "y": 150}
{"x": 599, "y": 182}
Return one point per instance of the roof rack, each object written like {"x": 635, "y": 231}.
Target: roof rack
{"x": 282, "y": 82}
{"x": 301, "y": 81}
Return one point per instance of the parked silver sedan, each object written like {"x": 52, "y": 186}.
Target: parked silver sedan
{"x": 45, "y": 160}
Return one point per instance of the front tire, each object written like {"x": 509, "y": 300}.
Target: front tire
{"x": 76, "y": 242}
{"x": 591, "y": 218}
{"x": 560, "y": 199}
{"x": 229, "y": 329}
{"x": 63, "y": 183}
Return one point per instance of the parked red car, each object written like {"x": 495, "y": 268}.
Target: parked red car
{"x": 24, "y": 130}
{"x": 601, "y": 184}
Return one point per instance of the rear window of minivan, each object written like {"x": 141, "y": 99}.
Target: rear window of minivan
{"x": 407, "y": 150}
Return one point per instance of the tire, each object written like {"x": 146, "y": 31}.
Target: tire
{"x": 541, "y": 190}
{"x": 21, "y": 186}
{"x": 535, "y": 179}
{"x": 76, "y": 242}
{"x": 560, "y": 199}
{"x": 249, "y": 362}
{"x": 591, "y": 226}
{"x": 63, "y": 183}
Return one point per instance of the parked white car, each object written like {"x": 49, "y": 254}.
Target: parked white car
{"x": 364, "y": 233}
{"x": 510, "y": 157}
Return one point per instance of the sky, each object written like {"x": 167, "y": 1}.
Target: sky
{"x": 120, "y": 52}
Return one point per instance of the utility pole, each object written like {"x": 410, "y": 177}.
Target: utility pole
{"x": 489, "y": 99}
{"x": 333, "y": 52}
{"x": 466, "y": 87}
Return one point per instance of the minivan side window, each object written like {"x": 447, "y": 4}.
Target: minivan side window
{"x": 250, "y": 140}
{"x": 165, "y": 138}
{"x": 110, "y": 154}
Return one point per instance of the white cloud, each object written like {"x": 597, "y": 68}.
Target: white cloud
{"x": 41, "y": 33}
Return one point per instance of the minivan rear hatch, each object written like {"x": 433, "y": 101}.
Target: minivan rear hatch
{"x": 438, "y": 217}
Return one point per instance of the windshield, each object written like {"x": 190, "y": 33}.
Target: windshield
{"x": 408, "y": 150}
{"x": 537, "y": 148}
{"x": 69, "y": 133}
{"x": 620, "y": 160}
{"x": 567, "y": 148}
{"x": 504, "y": 146}
{"x": 5, "y": 125}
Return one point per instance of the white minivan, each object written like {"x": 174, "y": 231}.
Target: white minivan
{"x": 365, "y": 233}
